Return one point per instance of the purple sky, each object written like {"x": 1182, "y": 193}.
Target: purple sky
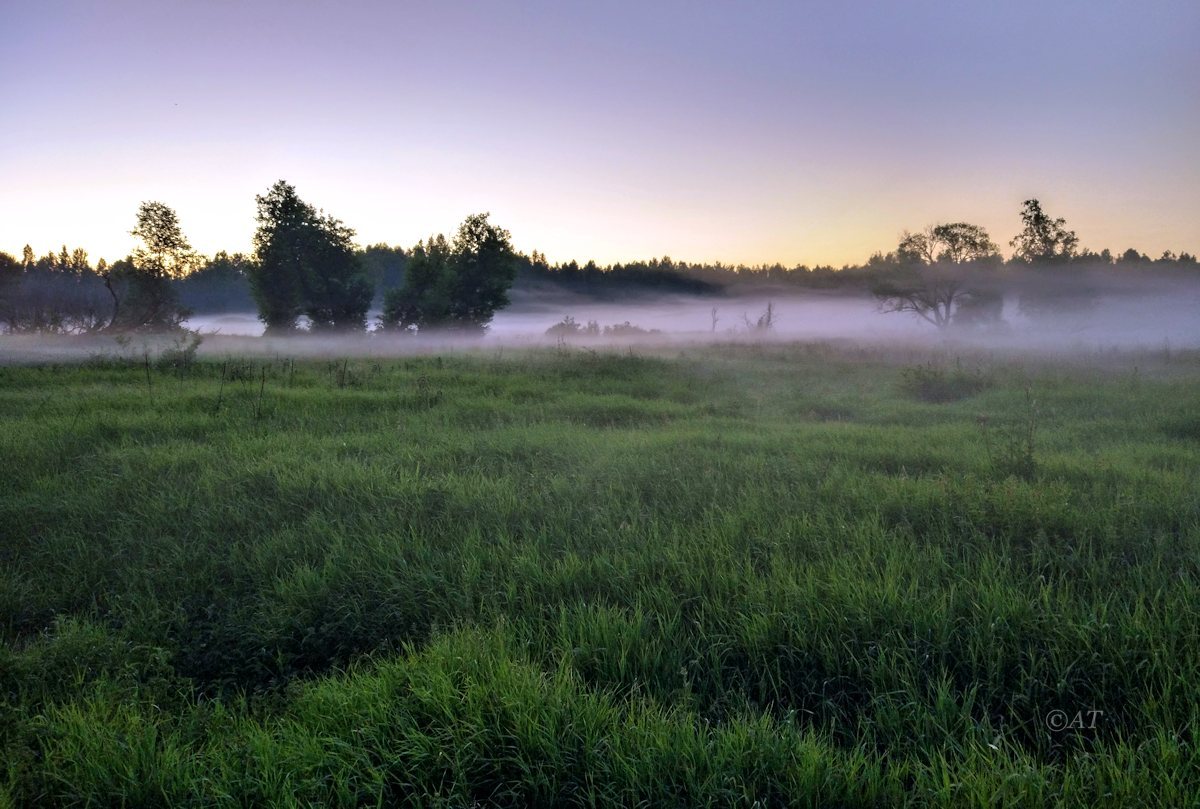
{"x": 800, "y": 132}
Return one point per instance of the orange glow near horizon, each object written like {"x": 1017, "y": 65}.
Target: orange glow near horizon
{"x": 609, "y": 232}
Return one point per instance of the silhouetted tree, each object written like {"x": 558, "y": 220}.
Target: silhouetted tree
{"x": 279, "y": 253}
{"x": 932, "y": 293}
{"x": 1043, "y": 240}
{"x": 336, "y": 291}
{"x": 936, "y": 276}
{"x": 954, "y": 243}
{"x": 424, "y": 300}
{"x": 79, "y": 261}
{"x": 485, "y": 269}
{"x": 141, "y": 287}
{"x": 1132, "y": 259}
{"x": 305, "y": 262}
{"x": 10, "y": 283}
{"x": 457, "y": 285}
{"x": 1045, "y": 245}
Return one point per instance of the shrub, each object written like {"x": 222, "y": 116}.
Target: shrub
{"x": 565, "y": 328}
{"x": 935, "y": 384}
{"x": 627, "y": 329}
{"x": 1011, "y": 446}
{"x": 765, "y": 322}
{"x": 181, "y": 354}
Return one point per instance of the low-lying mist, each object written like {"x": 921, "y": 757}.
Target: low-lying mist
{"x": 1163, "y": 314}
{"x": 1137, "y": 317}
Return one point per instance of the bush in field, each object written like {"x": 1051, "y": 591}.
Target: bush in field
{"x": 1011, "y": 446}
{"x": 181, "y": 354}
{"x": 627, "y": 329}
{"x": 568, "y": 327}
{"x": 764, "y": 323}
{"x": 933, "y": 383}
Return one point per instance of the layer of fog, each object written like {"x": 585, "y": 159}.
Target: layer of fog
{"x": 1142, "y": 319}
{"x": 672, "y": 317}
{"x": 1137, "y": 319}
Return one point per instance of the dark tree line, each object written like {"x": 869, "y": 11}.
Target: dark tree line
{"x": 305, "y": 267}
{"x": 59, "y": 293}
{"x": 950, "y": 272}
{"x": 305, "y": 264}
{"x": 67, "y": 295}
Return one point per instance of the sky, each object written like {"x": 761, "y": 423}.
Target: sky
{"x": 752, "y": 132}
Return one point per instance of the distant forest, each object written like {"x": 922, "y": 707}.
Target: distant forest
{"x": 221, "y": 284}
{"x": 64, "y": 292}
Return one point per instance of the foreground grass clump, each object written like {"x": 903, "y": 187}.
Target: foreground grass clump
{"x": 933, "y": 383}
{"x": 729, "y": 575}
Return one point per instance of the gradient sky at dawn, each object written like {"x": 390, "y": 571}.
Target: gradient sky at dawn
{"x": 750, "y": 132}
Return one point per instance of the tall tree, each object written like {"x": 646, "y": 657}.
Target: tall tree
{"x": 424, "y": 299}
{"x": 143, "y": 295}
{"x": 164, "y": 251}
{"x": 305, "y": 263}
{"x": 936, "y": 276}
{"x": 953, "y": 243}
{"x": 279, "y": 253}
{"x": 1043, "y": 240}
{"x": 10, "y": 289}
{"x": 1045, "y": 243}
{"x": 485, "y": 265}
{"x": 455, "y": 285}
{"x": 336, "y": 290}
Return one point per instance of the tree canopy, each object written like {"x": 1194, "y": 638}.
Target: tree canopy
{"x": 1043, "y": 240}
{"x": 142, "y": 293}
{"x": 164, "y": 250}
{"x": 953, "y": 243}
{"x": 937, "y": 276}
{"x": 455, "y": 285}
{"x": 305, "y": 263}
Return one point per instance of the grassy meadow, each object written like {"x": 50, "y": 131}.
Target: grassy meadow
{"x": 729, "y": 575}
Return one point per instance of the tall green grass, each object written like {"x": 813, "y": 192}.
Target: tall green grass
{"x": 721, "y": 576}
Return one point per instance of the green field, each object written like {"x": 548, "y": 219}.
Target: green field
{"x": 729, "y": 575}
